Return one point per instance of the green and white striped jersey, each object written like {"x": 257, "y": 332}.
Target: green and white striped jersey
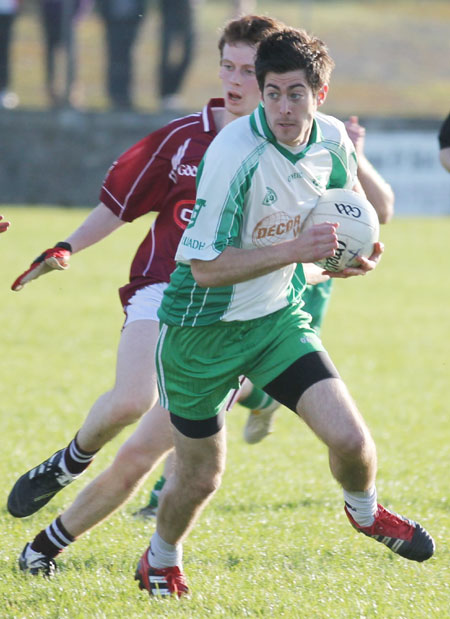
{"x": 252, "y": 192}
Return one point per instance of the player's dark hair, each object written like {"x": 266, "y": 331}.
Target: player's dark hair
{"x": 250, "y": 29}
{"x": 290, "y": 50}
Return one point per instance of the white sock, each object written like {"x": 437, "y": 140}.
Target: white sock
{"x": 161, "y": 554}
{"x": 362, "y": 506}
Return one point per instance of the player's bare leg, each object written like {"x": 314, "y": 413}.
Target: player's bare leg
{"x": 135, "y": 390}
{"x": 199, "y": 465}
{"x": 137, "y": 457}
{"x": 329, "y": 410}
{"x": 149, "y": 511}
{"x": 134, "y": 393}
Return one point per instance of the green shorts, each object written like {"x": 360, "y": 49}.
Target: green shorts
{"x": 316, "y": 299}
{"x": 197, "y": 366}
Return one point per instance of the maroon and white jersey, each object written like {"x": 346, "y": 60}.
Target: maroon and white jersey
{"x": 158, "y": 174}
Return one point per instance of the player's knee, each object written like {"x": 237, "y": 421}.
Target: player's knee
{"x": 130, "y": 468}
{"x": 355, "y": 444}
{"x": 129, "y": 408}
{"x": 141, "y": 458}
{"x": 203, "y": 486}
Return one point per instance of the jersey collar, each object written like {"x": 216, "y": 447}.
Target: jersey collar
{"x": 208, "y": 116}
{"x": 259, "y": 126}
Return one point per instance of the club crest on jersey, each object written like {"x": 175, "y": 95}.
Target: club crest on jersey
{"x": 195, "y": 213}
{"x": 177, "y": 166}
{"x": 182, "y": 212}
{"x": 270, "y": 197}
{"x": 318, "y": 183}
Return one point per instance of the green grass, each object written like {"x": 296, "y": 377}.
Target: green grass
{"x": 274, "y": 542}
{"x": 391, "y": 57}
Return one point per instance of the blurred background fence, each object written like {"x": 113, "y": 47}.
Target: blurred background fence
{"x": 392, "y": 69}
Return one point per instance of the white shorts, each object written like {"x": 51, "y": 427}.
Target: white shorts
{"x": 144, "y": 304}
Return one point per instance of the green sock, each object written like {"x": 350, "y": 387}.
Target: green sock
{"x": 256, "y": 399}
{"x": 156, "y": 491}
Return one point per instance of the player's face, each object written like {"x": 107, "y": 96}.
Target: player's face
{"x": 290, "y": 106}
{"x": 237, "y": 72}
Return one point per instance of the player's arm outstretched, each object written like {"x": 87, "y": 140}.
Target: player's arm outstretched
{"x": 377, "y": 190}
{"x": 99, "y": 224}
{"x": 444, "y": 144}
{"x": 4, "y": 225}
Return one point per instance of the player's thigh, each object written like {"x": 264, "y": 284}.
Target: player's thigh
{"x": 201, "y": 458}
{"x": 329, "y": 410}
{"x": 135, "y": 370}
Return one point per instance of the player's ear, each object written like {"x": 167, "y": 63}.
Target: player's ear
{"x": 322, "y": 95}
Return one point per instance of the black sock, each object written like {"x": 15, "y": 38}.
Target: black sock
{"x": 52, "y": 540}
{"x": 76, "y": 459}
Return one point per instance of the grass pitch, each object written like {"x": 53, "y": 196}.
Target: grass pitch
{"x": 274, "y": 542}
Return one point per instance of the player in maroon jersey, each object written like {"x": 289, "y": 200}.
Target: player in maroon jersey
{"x": 156, "y": 174}
{"x": 4, "y": 225}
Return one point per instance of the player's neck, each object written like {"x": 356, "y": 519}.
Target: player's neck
{"x": 228, "y": 117}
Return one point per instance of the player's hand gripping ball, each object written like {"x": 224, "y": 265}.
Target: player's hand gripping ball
{"x": 358, "y": 229}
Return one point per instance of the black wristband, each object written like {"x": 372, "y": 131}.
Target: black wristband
{"x": 64, "y": 245}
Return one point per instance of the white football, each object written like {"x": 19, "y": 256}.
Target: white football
{"x": 358, "y": 229}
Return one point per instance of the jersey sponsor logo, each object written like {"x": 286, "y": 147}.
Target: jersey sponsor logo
{"x": 307, "y": 339}
{"x": 270, "y": 197}
{"x": 176, "y": 160}
{"x": 275, "y": 228}
{"x": 195, "y": 213}
{"x": 293, "y": 176}
{"x": 182, "y": 213}
{"x": 192, "y": 243}
{"x": 187, "y": 170}
{"x": 348, "y": 209}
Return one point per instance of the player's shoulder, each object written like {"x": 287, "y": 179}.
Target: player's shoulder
{"x": 180, "y": 128}
{"x": 331, "y": 127}
{"x": 236, "y": 137}
{"x": 166, "y": 140}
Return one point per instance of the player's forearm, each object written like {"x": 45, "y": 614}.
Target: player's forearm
{"x": 97, "y": 225}
{"x": 378, "y": 191}
{"x": 314, "y": 274}
{"x": 236, "y": 265}
{"x": 444, "y": 156}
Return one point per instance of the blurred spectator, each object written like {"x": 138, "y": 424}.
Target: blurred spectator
{"x": 444, "y": 144}
{"x": 8, "y": 12}
{"x": 243, "y": 7}
{"x": 177, "y": 47}
{"x": 122, "y": 20}
{"x": 58, "y": 21}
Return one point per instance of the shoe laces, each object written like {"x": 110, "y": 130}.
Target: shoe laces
{"x": 175, "y": 579}
{"x": 51, "y": 466}
{"x": 387, "y": 519}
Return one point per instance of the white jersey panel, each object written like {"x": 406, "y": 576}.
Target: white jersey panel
{"x": 253, "y": 192}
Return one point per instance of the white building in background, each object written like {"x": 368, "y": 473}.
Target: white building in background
{"x": 409, "y": 161}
